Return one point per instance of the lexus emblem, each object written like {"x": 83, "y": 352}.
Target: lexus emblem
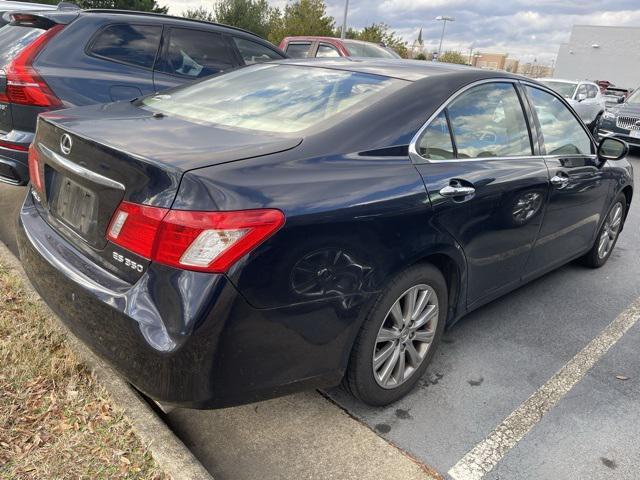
{"x": 65, "y": 144}
{"x": 638, "y": 123}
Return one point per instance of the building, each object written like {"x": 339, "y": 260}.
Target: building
{"x": 511, "y": 65}
{"x": 490, "y": 61}
{"x": 601, "y": 53}
{"x": 418, "y": 46}
{"x": 535, "y": 70}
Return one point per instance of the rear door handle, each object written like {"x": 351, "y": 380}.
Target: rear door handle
{"x": 457, "y": 191}
{"x": 559, "y": 181}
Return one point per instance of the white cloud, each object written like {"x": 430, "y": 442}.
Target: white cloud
{"x": 525, "y": 28}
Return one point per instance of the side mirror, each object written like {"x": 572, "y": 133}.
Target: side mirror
{"x": 612, "y": 149}
{"x": 581, "y": 97}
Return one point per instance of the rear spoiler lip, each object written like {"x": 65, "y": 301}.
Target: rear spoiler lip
{"x": 44, "y": 19}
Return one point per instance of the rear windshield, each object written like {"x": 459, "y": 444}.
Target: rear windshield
{"x": 273, "y": 98}
{"x": 357, "y": 49}
{"x": 565, "y": 89}
{"x": 13, "y": 39}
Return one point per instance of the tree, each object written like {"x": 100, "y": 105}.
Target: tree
{"x": 137, "y": 5}
{"x": 380, "y": 33}
{"x": 453, "y": 57}
{"x": 302, "y": 17}
{"x": 421, "y": 56}
{"x": 199, "y": 13}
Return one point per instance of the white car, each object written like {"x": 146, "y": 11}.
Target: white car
{"x": 583, "y": 96}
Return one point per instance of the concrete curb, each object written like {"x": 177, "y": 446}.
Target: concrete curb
{"x": 166, "y": 448}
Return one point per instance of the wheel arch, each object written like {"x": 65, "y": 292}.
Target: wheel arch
{"x": 628, "y": 194}
{"x": 453, "y": 273}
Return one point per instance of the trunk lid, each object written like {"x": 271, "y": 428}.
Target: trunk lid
{"x": 92, "y": 158}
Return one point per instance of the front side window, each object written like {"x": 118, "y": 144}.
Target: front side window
{"x": 132, "y": 44}
{"x": 436, "y": 143}
{"x": 195, "y": 53}
{"x": 274, "y": 98}
{"x": 562, "y": 132}
{"x": 592, "y": 91}
{"x": 298, "y": 50}
{"x": 253, "y": 52}
{"x": 327, "y": 51}
{"x": 488, "y": 121}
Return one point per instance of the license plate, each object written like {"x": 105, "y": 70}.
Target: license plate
{"x": 75, "y": 205}
{"x": 635, "y": 134}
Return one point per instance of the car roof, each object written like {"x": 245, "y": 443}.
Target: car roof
{"x": 312, "y": 38}
{"x": 164, "y": 17}
{"x": 411, "y": 70}
{"x": 562, "y": 80}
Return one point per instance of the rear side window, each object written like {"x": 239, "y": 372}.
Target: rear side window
{"x": 13, "y": 39}
{"x": 298, "y": 50}
{"x": 488, "y": 121}
{"x": 196, "y": 53}
{"x": 253, "y": 52}
{"x": 562, "y": 132}
{"x": 126, "y": 43}
{"x": 327, "y": 51}
{"x": 436, "y": 143}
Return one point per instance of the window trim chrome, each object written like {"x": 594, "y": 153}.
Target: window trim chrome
{"x": 416, "y": 158}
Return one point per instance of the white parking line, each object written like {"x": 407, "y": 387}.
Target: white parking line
{"x": 485, "y": 456}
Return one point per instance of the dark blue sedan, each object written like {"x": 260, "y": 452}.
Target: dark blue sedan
{"x": 299, "y": 224}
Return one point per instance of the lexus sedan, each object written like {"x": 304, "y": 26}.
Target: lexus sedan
{"x": 300, "y": 224}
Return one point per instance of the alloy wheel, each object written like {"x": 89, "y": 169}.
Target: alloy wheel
{"x": 405, "y": 336}
{"x": 610, "y": 231}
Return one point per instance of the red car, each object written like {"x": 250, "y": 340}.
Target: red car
{"x": 310, "y": 47}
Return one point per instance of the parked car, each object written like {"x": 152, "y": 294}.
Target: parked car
{"x": 623, "y": 120}
{"x": 293, "y": 225}
{"x": 584, "y": 97}
{"x": 7, "y": 6}
{"x": 63, "y": 58}
{"x": 615, "y": 95}
{"x": 322, "y": 47}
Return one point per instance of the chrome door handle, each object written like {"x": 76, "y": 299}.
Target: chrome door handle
{"x": 458, "y": 191}
{"x": 559, "y": 181}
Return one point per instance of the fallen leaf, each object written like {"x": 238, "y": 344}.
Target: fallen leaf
{"x": 622, "y": 377}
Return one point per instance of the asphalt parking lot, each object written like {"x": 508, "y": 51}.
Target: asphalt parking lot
{"x": 489, "y": 364}
{"x": 497, "y": 357}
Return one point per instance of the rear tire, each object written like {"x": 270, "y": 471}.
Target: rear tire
{"x": 607, "y": 235}
{"x": 412, "y": 339}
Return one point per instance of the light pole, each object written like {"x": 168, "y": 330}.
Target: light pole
{"x": 344, "y": 20}
{"x": 444, "y": 19}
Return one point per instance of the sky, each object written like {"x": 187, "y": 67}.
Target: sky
{"x": 526, "y": 30}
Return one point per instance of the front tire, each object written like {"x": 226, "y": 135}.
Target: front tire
{"x": 399, "y": 336}
{"x": 607, "y": 235}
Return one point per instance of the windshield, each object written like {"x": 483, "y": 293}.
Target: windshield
{"x": 273, "y": 98}
{"x": 634, "y": 98}
{"x": 565, "y": 89}
{"x": 357, "y": 49}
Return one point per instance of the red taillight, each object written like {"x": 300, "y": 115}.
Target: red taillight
{"x": 34, "y": 168}
{"x": 13, "y": 146}
{"x": 24, "y": 85}
{"x": 202, "y": 241}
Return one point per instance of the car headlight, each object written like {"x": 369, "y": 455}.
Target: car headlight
{"x": 609, "y": 116}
